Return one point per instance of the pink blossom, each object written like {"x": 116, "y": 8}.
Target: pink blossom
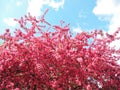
{"x": 38, "y": 58}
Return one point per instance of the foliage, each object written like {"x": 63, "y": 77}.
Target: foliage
{"x": 41, "y": 56}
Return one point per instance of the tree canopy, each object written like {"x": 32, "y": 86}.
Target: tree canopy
{"x": 41, "y": 56}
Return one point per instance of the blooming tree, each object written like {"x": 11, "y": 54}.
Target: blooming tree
{"x": 41, "y": 56}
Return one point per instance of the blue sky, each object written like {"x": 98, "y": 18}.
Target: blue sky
{"x": 83, "y": 15}
{"x": 79, "y": 13}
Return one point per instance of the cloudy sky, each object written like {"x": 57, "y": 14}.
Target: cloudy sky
{"x": 83, "y": 15}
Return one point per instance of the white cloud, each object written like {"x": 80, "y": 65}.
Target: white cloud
{"x": 35, "y": 6}
{"x": 56, "y": 5}
{"x": 19, "y": 3}
{"x": 109, "y": 10}
{"x": 104, "y": 7}
{"x": 115, "y": 44}
{"x": 9, "y": 21}
{"x": 77, "y": 29}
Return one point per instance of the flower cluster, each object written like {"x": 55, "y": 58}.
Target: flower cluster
{"x": 41, "y": 56}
